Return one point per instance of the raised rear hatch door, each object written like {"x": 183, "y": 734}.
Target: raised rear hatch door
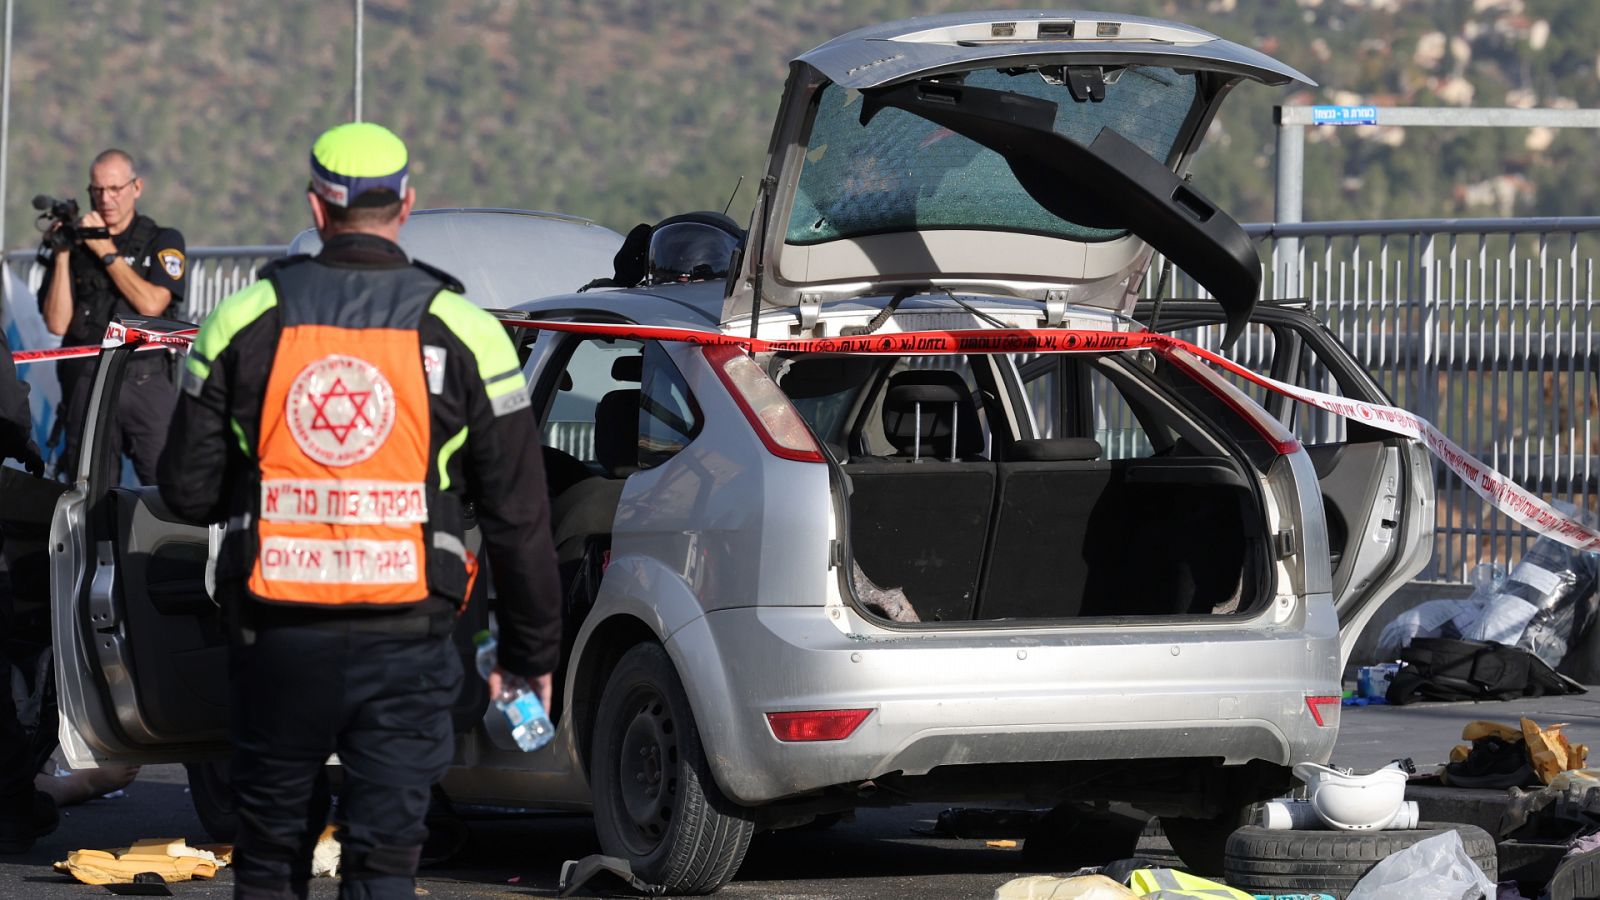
{"x": 1038, "y": 155}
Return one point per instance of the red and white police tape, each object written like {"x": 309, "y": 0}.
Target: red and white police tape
{"x": 1498, "y": 490}
{"x": 117, "y": 334}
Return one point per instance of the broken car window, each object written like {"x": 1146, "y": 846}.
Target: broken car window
{"x": 901, "y": 172}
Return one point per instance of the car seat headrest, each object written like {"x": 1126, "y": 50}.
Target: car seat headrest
{"x": 616, "y": 432}
{"x": 628, "y": 368}
{"x": 940, "y": 401}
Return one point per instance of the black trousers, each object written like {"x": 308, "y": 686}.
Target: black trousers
{"x": 381, "y": 700}
{"x": 144, "y": 410}
{"x": 24, "y": 746}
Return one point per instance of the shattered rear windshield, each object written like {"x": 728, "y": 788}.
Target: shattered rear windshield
{"x": 904, "y": 173}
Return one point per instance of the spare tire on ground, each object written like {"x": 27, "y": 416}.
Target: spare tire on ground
{"x": 1266, "y": 861}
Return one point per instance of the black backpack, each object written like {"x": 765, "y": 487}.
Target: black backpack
{"x": 1450, "y": 669}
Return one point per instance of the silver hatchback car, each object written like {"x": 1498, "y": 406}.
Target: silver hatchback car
{"x": 802, "y": 582}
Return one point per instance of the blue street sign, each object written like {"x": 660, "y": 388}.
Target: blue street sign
{"x": 1344, "y": 115}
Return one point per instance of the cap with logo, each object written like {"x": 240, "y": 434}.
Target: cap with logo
{"x": 359, "y": 164}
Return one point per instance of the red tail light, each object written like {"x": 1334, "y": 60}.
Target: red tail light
{"x": 816, "y": 724}
{"x": 771, "y": 414}
{"x": 1315, "y": 704}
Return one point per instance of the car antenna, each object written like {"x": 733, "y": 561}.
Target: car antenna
{"x": 729, "y": 205}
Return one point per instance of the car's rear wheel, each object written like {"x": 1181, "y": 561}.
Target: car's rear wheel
{"x": 1202, "y": 843}
{"x": 655, "y": 802}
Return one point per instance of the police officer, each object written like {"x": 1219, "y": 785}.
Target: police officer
{"x": 338, "y": 414}
{"x": 140, "y": 270}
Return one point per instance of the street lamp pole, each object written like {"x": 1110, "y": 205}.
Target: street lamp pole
{"x": 360, "y": 17}
{"x": 5, "y": 157}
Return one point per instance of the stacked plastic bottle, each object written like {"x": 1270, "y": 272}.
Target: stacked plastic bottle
{"x": 530, "y": 727}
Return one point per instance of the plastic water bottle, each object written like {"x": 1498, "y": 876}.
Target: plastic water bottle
{"x": 530, "y": 727}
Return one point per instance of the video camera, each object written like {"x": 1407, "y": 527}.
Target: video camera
{"x": 65, "y": 213}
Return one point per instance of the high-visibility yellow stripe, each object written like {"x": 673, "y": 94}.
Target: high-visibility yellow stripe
{"x": 448, "y": 450}
{"x": 486, "y": 338}
{"x": 230, "y": 317}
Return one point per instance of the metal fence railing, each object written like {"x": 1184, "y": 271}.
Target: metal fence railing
{"x": 214, "y": 273}
{"x": 1486, "y": 327}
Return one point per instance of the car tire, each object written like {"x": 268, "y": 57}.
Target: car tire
{"x": 655, "y": 802}
{"x": 213, "y": 799}
{"x": 1263, "y": 860}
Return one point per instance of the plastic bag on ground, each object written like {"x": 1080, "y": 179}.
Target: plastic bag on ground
{"x": 1451, "y": 618}
{"x": 1559, "y": 582}
{"x": 1053, "y": 887}
{"x": 1430, "y": 619}
{"x": 1437, "y": 868}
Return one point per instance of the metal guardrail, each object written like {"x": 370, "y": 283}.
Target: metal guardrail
{"x": 214, "y": 273}
{"x": 1484, "y": 326}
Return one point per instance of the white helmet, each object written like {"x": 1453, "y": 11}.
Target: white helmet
{"x": 1353, "y": 802}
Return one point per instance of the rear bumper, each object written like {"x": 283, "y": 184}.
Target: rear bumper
{"x": 992, "y": 697}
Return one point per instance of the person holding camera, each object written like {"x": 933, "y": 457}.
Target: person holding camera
{"x": 138, "y": 270}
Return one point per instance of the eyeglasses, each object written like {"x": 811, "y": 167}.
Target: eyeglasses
{"x": 96, "y": 190}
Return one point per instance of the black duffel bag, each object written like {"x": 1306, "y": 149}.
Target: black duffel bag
{"x": 1451, "y": 669}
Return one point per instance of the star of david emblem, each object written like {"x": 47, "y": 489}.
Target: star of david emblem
{"x": 340, "y": 410}
{"x": 357, "y": 401}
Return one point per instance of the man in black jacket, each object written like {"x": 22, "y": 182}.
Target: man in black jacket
{"x": 140, "y": 270}
{"x": 339, "y": 414}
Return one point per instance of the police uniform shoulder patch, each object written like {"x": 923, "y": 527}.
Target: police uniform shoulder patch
{"x": 172, "y": 261}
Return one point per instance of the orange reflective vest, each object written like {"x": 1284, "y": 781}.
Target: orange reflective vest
{"x": 345, "y": 513}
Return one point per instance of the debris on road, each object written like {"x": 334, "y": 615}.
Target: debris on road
{"x": 577, "y": 873}
{"x": 325, "y": 855}
{"x": 1543, "y": 606}
{"x": 1501, "y": 756}
{"x": 1452, "y": 670}
{"x": 1056, "y": 887}
{"x": 171, "y": 858}
{"x": 968, "y": 823}
{"x": 1171, "y": 884}
{"x": 1346, "y": 801}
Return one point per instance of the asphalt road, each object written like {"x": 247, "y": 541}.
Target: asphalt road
{"x": 878, "y": 855}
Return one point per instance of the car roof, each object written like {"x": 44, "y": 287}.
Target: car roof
{"x": 503, "y": 256}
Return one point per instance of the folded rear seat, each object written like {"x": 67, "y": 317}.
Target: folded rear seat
{"x": 1053, "y": 505}
{"x": 919, "y": 517}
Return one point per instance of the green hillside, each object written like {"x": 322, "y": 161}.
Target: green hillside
{"x": 626, "y": 110}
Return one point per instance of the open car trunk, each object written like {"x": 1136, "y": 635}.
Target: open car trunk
{"x": 991, "y": 488}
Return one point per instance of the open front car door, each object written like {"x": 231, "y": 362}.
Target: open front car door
{"x": 140, "y": 650}
{"x": 1377, "y": 487}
